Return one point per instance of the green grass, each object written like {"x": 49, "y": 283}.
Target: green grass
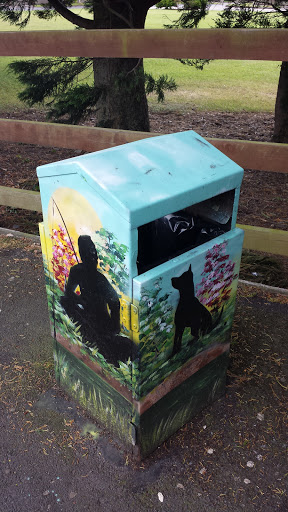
{"x": 35, "y": 23}
{"x": 156, "y": 18}
{"x": 9, "y": 87}
{"x": 222, "y": 85}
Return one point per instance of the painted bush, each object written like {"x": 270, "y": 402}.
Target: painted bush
{"x": 217, "y": 277}
{"x": 112, "y": 258}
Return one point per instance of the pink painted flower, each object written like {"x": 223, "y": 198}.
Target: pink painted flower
{"x": 216, "y": 278}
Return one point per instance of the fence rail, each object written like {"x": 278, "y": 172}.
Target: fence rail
{"x": 261, "y": 156}
{"x": 242, "y": 44}
{"x": 19, "y": 198}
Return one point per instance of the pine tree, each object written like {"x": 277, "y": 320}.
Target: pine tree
{"x": 117, "y": 96}
{"x": 241, "y": 14}
{"x": 264, "y": 14}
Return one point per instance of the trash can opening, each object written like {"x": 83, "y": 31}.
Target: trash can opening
{"x": 181, "y": 231}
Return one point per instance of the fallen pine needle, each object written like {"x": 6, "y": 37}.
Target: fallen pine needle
{"x": 282, "y": 386}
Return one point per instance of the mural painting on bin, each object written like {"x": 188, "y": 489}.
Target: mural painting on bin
{"x": 86, "y": 280}
{"x": 142, "y": 380}
{"x": 72, "y": 272}
{"x": 198, "y": 297}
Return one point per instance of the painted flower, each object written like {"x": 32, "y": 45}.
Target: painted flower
{"x": 63, "y": 256}
{"x": 217, "y": 277}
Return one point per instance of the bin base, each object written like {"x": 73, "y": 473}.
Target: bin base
{"x": 139, "y": 432}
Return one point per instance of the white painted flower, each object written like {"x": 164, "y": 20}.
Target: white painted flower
{"x": 64, "y": 371}
{"x": 250, "y": 464}
{"x": 76, "y": 385}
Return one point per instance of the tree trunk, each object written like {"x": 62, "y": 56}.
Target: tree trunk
{"x": 123, "y": 102}
{"x": 281, "y": 107}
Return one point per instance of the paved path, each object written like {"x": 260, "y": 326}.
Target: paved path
{"x": 52, "y": 457}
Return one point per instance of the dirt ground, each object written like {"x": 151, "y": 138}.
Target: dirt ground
{"x": 264, "y": 195}
{"x": 231, "y": 457}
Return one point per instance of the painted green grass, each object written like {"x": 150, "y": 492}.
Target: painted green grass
{"x": 222, "y": 85}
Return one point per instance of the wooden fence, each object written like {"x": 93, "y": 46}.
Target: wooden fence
{"x": 243, "y": 44}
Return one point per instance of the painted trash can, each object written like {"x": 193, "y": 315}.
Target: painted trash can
{"x": 141, "y": 259}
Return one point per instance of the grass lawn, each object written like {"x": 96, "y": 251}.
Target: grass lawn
{"x": 222, "y": 85}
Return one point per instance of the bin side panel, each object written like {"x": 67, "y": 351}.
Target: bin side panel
{"x": 47, "y": 276}
{"x": 186, "y": 307}
{"x": 235, "y": 207}
{"x": 185, "y": 401}
{"x": 86, "y": 301}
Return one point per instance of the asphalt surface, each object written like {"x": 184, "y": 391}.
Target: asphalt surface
{"x": 232, "y": 456}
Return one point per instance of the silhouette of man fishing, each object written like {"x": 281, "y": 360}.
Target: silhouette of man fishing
{"x": 97, "y": 308}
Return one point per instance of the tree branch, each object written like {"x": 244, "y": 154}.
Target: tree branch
{"x": 278, "y": 9}
{"x": 71, "y": 16}
{"x": 117, "y": 14}
{"x": 150, "y": 3}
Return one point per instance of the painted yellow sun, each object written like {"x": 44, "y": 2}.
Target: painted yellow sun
{"x": 73, "y": 212}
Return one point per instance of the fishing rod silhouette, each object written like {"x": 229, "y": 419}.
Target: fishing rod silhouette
{"x": 97, "y": 308}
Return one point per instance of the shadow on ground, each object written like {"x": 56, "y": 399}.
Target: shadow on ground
{"x": 53, "y": 457}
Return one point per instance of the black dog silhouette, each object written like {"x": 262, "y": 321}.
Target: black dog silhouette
{"x": 190, "y": 312}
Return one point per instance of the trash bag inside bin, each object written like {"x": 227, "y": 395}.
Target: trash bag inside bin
{"x": 183, "y": 230}
{"x": 163, "y": 238}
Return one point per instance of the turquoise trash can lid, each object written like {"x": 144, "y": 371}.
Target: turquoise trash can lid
{"x": 150, "y": 178}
